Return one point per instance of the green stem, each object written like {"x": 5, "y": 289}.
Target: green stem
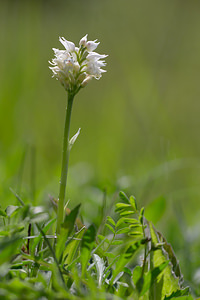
{"x": 65, "y": 162}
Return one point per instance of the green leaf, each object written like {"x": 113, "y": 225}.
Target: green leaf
{"x": 131, "y": 221}
{"x": 117, "y": 242}
{"x": 70, "y": 219}
{"x": 122, "y": 206}
{"x": 151, "y": 277}
{"x": 137, "y": 273}
{"x": 135, "y": 233}
{"x": 9, "y": 247}
{"x": 125, "y": 258}
{"x": 141, "y": 217}
{"x": 172, "y": 257}
{"x": 87, "y": 246}
{"x": 120, "y": 222}
{"x": 11, "y": 209}
{"x": 167, "y": 282}
{"x": 110, "y": 227}
{"x": 123, "y": 230}
{"x": 155, "y": 210}
{"x": 2, "y": 213}
{"x": 133, "y": 203}
{"x": 178, "y": 293}
{"x": 124, "y": 197}
{"x": 39, "y": 237}
{"x": 109, "y": 219}
{"x": 66, "y": 229}
{"x": 72, "y": 246}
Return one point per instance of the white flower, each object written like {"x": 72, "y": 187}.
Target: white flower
{"x": 75, "y": 66}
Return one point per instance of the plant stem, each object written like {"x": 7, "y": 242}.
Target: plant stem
{"x": 65, "y": 162}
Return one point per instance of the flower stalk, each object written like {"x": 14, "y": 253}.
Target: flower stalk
{"x": 65, "y": 163}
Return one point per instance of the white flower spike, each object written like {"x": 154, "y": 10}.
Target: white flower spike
{"x": 75, "y": 66}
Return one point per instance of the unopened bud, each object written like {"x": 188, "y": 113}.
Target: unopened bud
{"x": 86, "y": 80}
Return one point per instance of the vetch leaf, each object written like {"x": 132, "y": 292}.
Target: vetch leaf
{"x": 133, "y": 203}
{"x": 124, "y": 197}
{"x": 110, "y": 227}
{"x": 117, "y": 242}
{"x": 122, "y": 207}
{"x": 109, "y": 219}
{"x": 120, "y": 222}
{"x": 123, "y": 230}
{"x": 126, "y": 213}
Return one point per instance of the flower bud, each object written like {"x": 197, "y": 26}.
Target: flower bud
{"x": 83, "y": 41}
{"x": 86, "y": 80}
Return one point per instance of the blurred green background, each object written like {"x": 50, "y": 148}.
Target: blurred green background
{"x": 140, "y": 123}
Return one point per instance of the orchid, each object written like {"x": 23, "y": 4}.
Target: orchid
{"x": 75, "y": 66}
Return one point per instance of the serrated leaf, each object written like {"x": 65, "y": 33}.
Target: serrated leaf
{"x": 109, "y": 219}
{"x": 151, "y": 277}
{"x": 171, "y": 255}
{"x": 167, "y": 282}
{"x": 178, "y": 294}
{"x": 110, "y": 227}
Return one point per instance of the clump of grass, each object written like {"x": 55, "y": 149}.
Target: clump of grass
{"x": 125, "y": 257}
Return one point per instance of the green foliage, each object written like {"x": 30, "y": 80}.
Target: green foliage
{"x": 81, "y": 264}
